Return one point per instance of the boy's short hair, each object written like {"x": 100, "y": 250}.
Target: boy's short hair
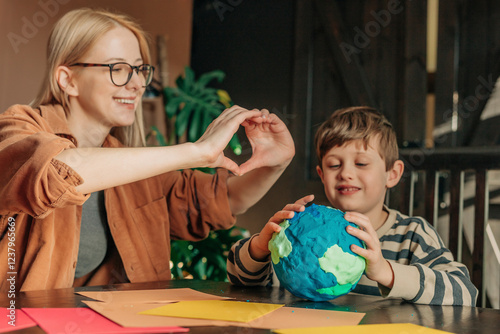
{"x": 356, "y": 123}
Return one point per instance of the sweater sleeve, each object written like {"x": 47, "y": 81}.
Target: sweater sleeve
{"x": 243, "y": 270}
{"x": 197, "y": 203}
{"x": 431, "y": 276}
{"x": 31, "y": 180}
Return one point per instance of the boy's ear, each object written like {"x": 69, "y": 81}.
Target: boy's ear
{"x": 64, "y": 76}
{"x": 320, "y": 172}
{"x": 395, "y": 173}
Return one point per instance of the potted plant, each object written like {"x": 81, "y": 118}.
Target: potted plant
{"x": 190, "y": 108}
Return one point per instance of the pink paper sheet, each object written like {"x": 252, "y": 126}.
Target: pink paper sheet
{"x": 84, "y": 320}
{"x": 13, "y": 321}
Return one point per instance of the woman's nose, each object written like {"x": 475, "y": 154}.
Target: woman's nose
{"x": 135, "y": 81}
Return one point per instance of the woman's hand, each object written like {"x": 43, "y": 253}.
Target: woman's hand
{"x": 272, "y": 143}
{"x": 219, "y": 132}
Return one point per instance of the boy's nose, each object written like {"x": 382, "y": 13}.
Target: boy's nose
{"x": 345, "y": 173}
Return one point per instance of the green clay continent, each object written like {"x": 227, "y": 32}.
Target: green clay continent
{"x": 346, "y": 267}
{"x": 337, "y": 290}
{"x": 279, "y": 245}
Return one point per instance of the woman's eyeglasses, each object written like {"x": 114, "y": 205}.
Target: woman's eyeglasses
{"x": 121, "y": 73}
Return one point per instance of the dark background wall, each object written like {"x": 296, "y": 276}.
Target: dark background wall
{"x": 303, "y": 59}
{"x": 252, "y": 42}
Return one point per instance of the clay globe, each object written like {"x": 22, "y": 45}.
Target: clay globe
{"x": 311, "y": 254}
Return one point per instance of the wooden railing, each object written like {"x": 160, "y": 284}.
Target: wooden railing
{"x": 455, "y": 162}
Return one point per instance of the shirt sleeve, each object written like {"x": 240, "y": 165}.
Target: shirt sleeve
{"x": 243, "y": 270}
{"x": 31, "y": 180}
{"x": 197, "y": 203}
{"x": 431, "y": 276}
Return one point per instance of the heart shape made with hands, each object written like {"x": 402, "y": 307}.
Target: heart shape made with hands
{"x": 271, "y": 142}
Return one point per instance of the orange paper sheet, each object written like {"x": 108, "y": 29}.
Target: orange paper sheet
{"x": 214, "y": 310}
{"x": 295, "y": 317}
{"x": 284, "y": 317}
{"x": 162, "y": 296}
{"x": 123, "y": 307}
{"x": 363, "y": 329}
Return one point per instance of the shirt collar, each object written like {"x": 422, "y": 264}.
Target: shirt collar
{"x": 55, "y": 115}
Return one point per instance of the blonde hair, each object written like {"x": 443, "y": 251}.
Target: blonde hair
{"x": 71, "y": 39}
{"x": 357, "y": 123}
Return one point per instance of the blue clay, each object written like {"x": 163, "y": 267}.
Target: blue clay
{"x": 320, "y": 265}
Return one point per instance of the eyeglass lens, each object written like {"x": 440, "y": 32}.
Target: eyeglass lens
{"x": 121, "y": 73}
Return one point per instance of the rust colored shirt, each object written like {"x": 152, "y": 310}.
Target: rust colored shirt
{"x": 40, "y": 210}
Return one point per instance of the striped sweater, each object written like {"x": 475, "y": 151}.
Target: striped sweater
{"x": 424, "y": 269}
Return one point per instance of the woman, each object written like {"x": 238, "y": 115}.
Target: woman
{"x": 82, "y": 202}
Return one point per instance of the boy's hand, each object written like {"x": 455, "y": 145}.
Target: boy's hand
{"x": 377, "y": 267}
{"x": 258, "y": 247}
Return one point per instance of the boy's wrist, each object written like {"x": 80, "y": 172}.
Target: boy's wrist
{"x": 387, "y": 277}
{"x": 257, "y": 253}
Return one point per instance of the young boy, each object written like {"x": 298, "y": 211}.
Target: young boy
{"x": 405, "y": 257}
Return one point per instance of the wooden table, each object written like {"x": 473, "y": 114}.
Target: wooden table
{"x": 448, "y": 318}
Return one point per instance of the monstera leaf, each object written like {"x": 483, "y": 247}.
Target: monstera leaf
{"x": 194, "y": 105}
{"x": 205, "y": 259}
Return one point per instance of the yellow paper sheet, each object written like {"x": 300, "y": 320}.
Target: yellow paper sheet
{"x": 127, "y": 315}
{"x": 363, "y": 329}
{"x": 214, "y": 310}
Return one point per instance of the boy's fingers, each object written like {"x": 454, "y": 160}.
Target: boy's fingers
{"x": 279, "y": 216}
{"x": 358, "y": 219}
{"x": 299, "y": 205}
{"x": 276, "y": 228}
{"x": 304, "y": 200}
{"x": 359, "y": 251}
{"x": 293, "y": 208}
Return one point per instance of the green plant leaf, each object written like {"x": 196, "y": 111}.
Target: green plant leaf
{"x": 207, "y": 77}
{"x": 181, "y": 122}
{"x": 170, "y": 92}
{"x": 195, "y": 106}
{"x": 214, "y": 249}
{"x": 172, "y": 106}
{"x": 158, "y": 135}
{"x": 207, "y": 93}
{"x": 189, "y": 79}
{"x": 195, "y": 124}
{"x": 180, "y": 82}
{"x": 235, "y": 145}
{"x": 207, "y": 119}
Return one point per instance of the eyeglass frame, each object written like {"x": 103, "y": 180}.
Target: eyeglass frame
{"x": 110, "y": 66}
